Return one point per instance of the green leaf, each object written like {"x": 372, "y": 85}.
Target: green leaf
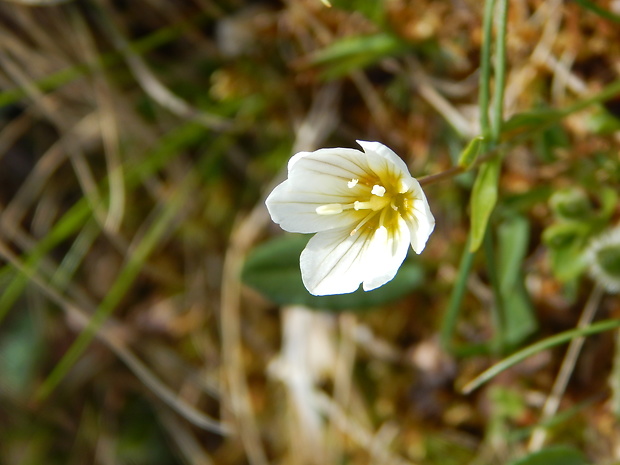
{"x": 518, "y": 313}
{"x": 353, "y": 53}
{"x": 567, "y": 263}
{"x": 602, "y": 12}
{"x": 525, "y": 201}
{"x": 470, "y": 154}
{"x": 273, "y": 269}
{"x": 555, "y": 455}
{"x": 483, "y": 200}
{"x": 507, "y": 404}
{"x": 566, "y": 241}
{"x": 562, "y": 234}
{"x": 513, "y": 237}
{"x": 602, "y": 122}
{"x": 541, "y": 118}
{"x": 552, "y": 137}
{"x": 519, "y": 316}
{"x": 571, "y": 204}
{"x": 609, "y": 260}
{"x": 531, "y": 119}
{"x": 608, "y": 198}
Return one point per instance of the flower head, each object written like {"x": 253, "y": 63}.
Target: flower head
{"x": 365, "y": 208}
{"x": 603, "y": 256}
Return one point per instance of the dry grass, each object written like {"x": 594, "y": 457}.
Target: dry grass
{"x": 138, "y": 141}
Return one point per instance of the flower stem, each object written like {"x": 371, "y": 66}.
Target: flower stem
{"x": 454, "y": 306}
{"x": 455, "y": 170}
{"x": 447, "y": 174}
{"x": 485, "y": 67}
{"x": 499, "y": 71}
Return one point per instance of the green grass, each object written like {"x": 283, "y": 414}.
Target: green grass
{"x": 146, "y": 136}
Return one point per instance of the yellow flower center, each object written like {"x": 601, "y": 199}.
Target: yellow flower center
{"x": 377, "y": 205}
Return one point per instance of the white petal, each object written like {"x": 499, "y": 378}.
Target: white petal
{"x": 333, "y": 262}
{"x": 316, "y": 179}
{"x": 295, "y": 211}
{"x": 341, "y": 163}
{"x": 379, "y": 154}
{"x": 386, "y": 253}
{"x": 422, "y": 223}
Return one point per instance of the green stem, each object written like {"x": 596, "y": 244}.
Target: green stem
{"x": 485, "y": 67}
{"x": 454, "y": 306}
{"x": 500, "y": 71}
{"x": 537, "y": 347}
{"x": 553, "y": 116}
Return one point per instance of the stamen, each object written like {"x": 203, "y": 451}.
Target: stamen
{"x": 382, "y": 217}
{"x": 361, "y": 205}
{"x": 378, "y": 190}
{"x": 329, "y": 209}
{"x": 366, "y": 219}
{"x": 352, "y": 183}
{"x": 374, "y": 203}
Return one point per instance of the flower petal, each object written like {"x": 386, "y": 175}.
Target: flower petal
{"x": 345, "y": 164}
{"x": 387, "y": 250}
{"x": 383, "y": 158}
{"x": 316, "y": 179}
{"x": 334, "y": 262}
{"x": 295, "y": 211}
{"x": 422, "y": 222}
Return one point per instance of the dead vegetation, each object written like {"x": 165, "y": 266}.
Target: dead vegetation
{"x": 138, "y": 141}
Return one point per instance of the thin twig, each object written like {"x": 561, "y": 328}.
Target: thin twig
{"x": 423, "y": 84}
{"x": 539, "y": 435}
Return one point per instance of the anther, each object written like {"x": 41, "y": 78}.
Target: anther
{"x": 329, "y": 209}
{"x": 378, "y": 190}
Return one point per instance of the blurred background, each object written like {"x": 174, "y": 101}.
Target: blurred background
{"x": 151, "y": 312}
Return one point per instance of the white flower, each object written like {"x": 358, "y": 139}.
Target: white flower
{"x": 603, "y": 257}
{"x": 365, "y": 208}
